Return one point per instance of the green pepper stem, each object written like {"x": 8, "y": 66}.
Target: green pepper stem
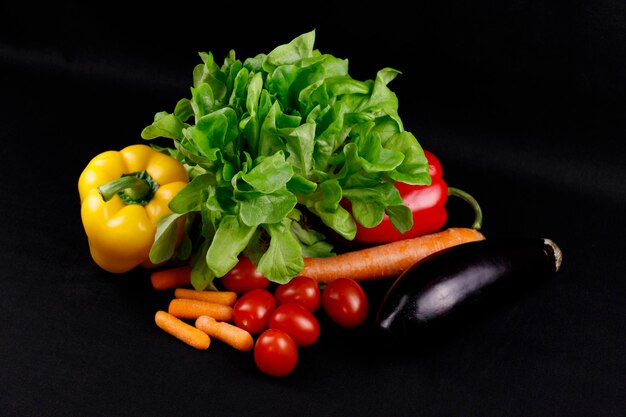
{"x": 133, "y": 187}
{"x": 478, "y": 213}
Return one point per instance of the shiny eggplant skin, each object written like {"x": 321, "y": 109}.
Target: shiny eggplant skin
{"x": 449, "y": 283}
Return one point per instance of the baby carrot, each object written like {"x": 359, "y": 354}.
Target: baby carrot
{"x": 167, "y": 279}
{"x": 228, "y": 333}
{"x": 184, "y": 308}
{"x": 386, "y": 260}
{"x": 187, "y": 333}
{"x": 219, "y": 297}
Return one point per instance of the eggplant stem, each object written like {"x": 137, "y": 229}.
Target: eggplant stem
{"x": 556, "y": 253}
{"x": 478, "y": 213}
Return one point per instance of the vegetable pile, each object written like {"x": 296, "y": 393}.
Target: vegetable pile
{"x": 275, "y": 322}
{"x": 233, "y": 203}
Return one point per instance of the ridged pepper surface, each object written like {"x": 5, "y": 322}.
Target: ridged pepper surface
{"x": 123, "y": 194}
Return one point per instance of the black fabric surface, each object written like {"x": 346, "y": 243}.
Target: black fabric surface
{"x": 523, "y": 102}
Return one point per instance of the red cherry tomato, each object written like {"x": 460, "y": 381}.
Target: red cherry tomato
{"x": 297, "y": 322}
{"x": 275, "y": 353}
{"x": 253, "y": 309}
{"x": 244, "y": 277}
{"x": 345, "y": 302}
{"x": 300, "y": 290}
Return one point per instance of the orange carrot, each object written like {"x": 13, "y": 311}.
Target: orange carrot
{"x": 228, "y": 333}
{"x": 187, "y": 333}
{"x": 167, "y": 279}
{"x": 219, "y": 297}
{"x": 184, "y": 308}
{"x": 387, "y": 260}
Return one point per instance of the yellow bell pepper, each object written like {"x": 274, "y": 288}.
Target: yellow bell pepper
{"x": 123, "y": 194}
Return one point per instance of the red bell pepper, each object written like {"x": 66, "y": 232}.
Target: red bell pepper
{"x": 428, "y": 205}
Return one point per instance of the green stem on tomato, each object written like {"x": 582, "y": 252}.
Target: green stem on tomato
{"x": 478, "y": 213}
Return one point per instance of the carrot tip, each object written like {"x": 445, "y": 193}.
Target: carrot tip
{"x": 228, "y": 333}
{"x": 171, "y": 278}
{"x": 182, "y": 331}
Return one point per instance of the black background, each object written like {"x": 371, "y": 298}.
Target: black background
{"x": 523, "y": 102}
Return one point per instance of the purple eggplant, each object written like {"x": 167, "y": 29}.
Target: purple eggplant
{"x": 451, "y": 283}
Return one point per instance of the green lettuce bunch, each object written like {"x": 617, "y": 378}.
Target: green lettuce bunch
{"x": 272, "y": 140}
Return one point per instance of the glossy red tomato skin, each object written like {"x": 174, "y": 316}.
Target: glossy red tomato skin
{"x": 275, "y": 353}
{"x": 253, "y": 309}
{"x": 300, "y": 290}
{"x": 297, "y": 322}
{"x": 244, "y": 277}
{"x": 345, "y": 302}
